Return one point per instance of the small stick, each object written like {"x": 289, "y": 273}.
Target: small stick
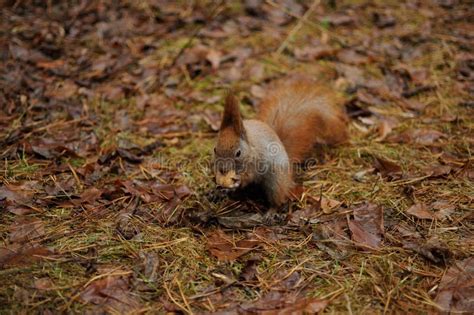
{"x": 298, "y": 26}
{"x": 78, "y": 181}
{"x": 215, "y": 12}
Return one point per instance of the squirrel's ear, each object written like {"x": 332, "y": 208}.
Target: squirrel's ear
{"x": 232, "y": 118}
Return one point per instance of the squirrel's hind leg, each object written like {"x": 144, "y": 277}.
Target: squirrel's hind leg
{"x": 277, "y": 187}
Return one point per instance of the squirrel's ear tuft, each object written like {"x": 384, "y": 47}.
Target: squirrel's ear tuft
{"x": 232, "y": 118}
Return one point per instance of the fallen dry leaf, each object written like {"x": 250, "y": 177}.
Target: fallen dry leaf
{"x": 442, "y": 207}
{"x": 241, "y": 220}
{"x": 352, "y": 57}
{"x": 63, "y": 90}
{"x": 383, "y": 20}
{"x": 367, "y": 226}
{"x": 367, "y": 97}
{"x": 90, "y": 195}
{"x": 18, "y": 194}
{"x": 338, "y": 19}
{"x": 456, "y": 288}
{"x": 433, "y": 250}
{"x": 17, "y": 254}
{"x": 280, "y": 303}
{"x": 329, "y": 205}
{"x": 213, "y": 119}
{"x": 257, "y": 91}
{"x": 420, "y": 211}
{"x": 20, "y": 210}
{"x": 435, "y": 171}
{"x": 384, "y": 128}
{"x": 111, "y": 292}
{"x": 43, "y": 284}
{"x": 214, "y": 57}
{"x": 24, "y": 230}
{"x": 387, "y": 168}
{"x": 418, "y": 136}
{"x": 225, "y": 249}
{"x": 249, "y": 271}
{"x": 335, "y": 232}
{"x": 315, "y": 52}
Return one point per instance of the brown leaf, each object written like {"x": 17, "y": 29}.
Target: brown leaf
{"x": 249, "y": 271}
{"x": 334, "y": 231}
{"x": 135, "y": 190}
{"x": 62, "y": 90}
{"x": 352, "y": 57}
{"x": 329, "y": 205}
{"x": 43, "y": 284}
{"x": 24, "y": 230}
{"x": 303, "y": 215}
{"x": 387, "y": 168}
{"x": 356, "y": 76}
{"x": 420, "y": 210}
{"x": 240, "y": 220}
{"x": 442, "y": 207}
{"x": 18, "y": 194}
{"x": 275, "y": 302}
{"x": 339, "y": 19}
{"x": 16, "y": 254}
{"x": 183, "y": 191}
{"x": 231, "y": 74}
{"x": 437, "y": 171}
{"x": 411, "y": 104}
{"x": 128, "y": 156}
{"x": 408, "y": 231}
{"x": 367, "y": 226}
{"x": 384, "y": 128}
{"x": 150, "y": 263}
{"x": 368, "y": 98}
{"x": 213, "y": 119}
{"x": 418, "y": 136}
{"x": 47, "y": 64}
{"x": 225, "y": 249}
{"x": 19, "y": 210}
{"x": 111, "y": 292}
{"x": 309, "y": 53}
{"x": 90, "y": 195}
{"x": 383, "y": 20}
{"x": 214, "y": 57}
{"x": 432, "y": 250}
{"x": 167, "y": 191}
{"x": 257, "y": 91}
{"x": 456, "y": 288}
{"x": 257, "y": 72}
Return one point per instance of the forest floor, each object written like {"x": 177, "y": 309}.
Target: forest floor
{"x": 108, "y": 117}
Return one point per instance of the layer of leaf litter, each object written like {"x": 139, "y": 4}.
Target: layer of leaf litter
{"x": 108, "y": 114}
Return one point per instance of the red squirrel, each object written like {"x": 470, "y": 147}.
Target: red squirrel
{"x": 296, "y": 115}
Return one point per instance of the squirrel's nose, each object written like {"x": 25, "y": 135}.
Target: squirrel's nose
{"x": 235, "y": 182}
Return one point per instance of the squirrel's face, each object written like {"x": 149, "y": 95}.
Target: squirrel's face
{"x": 231, "y": 148}
{"x": 228, "y": 159}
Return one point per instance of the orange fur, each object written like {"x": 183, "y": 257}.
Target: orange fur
{"x": 303, "y": 114}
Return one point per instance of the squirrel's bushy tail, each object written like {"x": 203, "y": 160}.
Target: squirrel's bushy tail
{"x": 304, "y": 113}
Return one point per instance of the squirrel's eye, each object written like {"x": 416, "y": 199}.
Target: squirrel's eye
{"x": 237, "y": 153}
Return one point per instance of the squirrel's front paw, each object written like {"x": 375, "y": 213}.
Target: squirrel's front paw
{"x": 216, "y": 195}
{"x": 274, "y": 216}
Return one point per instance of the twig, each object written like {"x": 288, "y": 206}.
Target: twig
{"x": 298, "y": 26}
{"x": 171, "y": 297}
{"x": 215, "y": 12}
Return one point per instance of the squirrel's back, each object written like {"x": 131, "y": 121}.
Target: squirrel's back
{"x": 304, "y": 113}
